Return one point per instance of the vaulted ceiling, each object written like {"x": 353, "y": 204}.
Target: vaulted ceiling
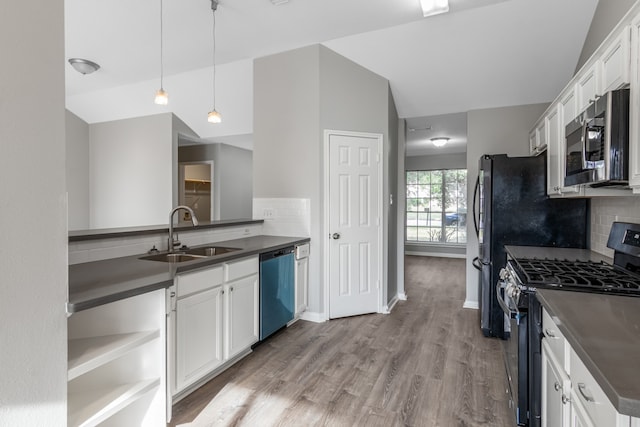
{"x": 483, "y": 53}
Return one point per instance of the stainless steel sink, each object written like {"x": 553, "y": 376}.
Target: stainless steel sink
{"x": 173, "y": 257}
{"x": 190, "y": 254}
{"x": 210, "y": 251}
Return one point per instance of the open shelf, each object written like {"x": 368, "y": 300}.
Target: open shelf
{"x": 86, "y": 354}
{"x": 91, "y": 407}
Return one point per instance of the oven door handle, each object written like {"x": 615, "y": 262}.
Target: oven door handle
{"x": 503, "y": 304}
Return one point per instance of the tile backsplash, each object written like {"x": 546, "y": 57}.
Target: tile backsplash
{"x": 606, "y": 210}
{"x": 284, "y": 217}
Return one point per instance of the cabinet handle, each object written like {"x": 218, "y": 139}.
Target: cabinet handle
{"x": 222, "y": 292}
{"x": 231, "y": 289}
{"x": 565, "y": 399}
{"x": 549, "y": 333}
{"x": 557, "y": 386}
{"x": 172, "y": 294}
{"x": 582, "y": 388}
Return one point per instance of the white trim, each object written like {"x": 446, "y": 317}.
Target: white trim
{"x": 437, "y": 254}
{"x": 471, "y": 304}
{"x": 402, "y": 296}
{"x": 313, "y": 316}
{"x": 388, "y": 307}
{"x": 382, "y": 282}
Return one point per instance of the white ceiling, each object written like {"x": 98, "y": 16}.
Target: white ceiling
{"x": 484, "y": 53}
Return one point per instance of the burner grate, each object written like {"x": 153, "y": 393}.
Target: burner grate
{"x": 586, "y": 276}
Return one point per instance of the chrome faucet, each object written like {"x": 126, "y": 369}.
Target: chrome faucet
{"x": 173, "y": 243}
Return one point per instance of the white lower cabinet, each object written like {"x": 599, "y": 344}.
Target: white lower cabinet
{"x": 556, "y": 389}
{"x": 198, "y": 336}
{"x": 214, "y": 322}
{"x": 302, "y": 284}
{"x": 116, "y": 363}
{"x": 242, "y": 308}
{"x": 570, "y": 394}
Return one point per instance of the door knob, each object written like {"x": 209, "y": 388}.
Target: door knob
{"x": 335, "y": 236}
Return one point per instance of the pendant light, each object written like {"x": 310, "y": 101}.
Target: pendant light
{"x": 214, "y": 116}
{"x": 162, "y": 97}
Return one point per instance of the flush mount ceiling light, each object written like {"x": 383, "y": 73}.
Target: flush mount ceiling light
{"x": 440, "y": 141}
{"x": 214, "y": 116}
{"x": 279, "y": 2}
{"x": 434, "y": 7}
{"x": 162, "y": 97}
{"x": 83, "y": 66}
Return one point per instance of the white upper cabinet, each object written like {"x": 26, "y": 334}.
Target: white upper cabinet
{"x": 588, "y": 87}
{"x": 614, "y": 65}
{"x": 615, "y": 62}
{"x": 538, "y": 137}
{"x": 634, "y": 111}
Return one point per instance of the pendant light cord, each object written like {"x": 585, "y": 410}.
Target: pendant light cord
{"x": 214, "y": 5}
{"x": 161, "y": 48}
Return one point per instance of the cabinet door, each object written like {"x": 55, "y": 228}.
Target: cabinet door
{"x": 579, "y": 416}
{"x": 556, "y": 390}
{"x": 302, "y": 283}
{"x": 198, "y": 336}
{"x": 242, "y": 311}
{"x": 634, "y": 130}
{"x": 588, "y": 87}
{"x": 553, "y": 159}
{"x": 615, "y": 62}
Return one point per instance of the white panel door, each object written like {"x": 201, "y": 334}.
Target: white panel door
{"x": 354, "y": 225}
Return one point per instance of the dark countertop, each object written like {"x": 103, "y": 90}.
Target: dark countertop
{"x": 100, "y": 282}
{"x": 604, "y": 331}
{"x": 106, "y": 233}
{"x": 555, "y": 253}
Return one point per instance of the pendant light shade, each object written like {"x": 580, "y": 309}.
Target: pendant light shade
{"x": 162, "y": 97}
{"x": 214, "y": 116}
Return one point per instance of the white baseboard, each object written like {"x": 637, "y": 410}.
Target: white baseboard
{"x": 471, "y": 304}
{"x": 313, "y": 316}
{"x": 436, "y": 254}
{"x": 402, "y": 296}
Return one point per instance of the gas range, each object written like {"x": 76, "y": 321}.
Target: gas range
{"x": 575, "y": 275}
{"x": 529, "y": 268}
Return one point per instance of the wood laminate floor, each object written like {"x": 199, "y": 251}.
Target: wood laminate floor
{"x": 425, "y": 364}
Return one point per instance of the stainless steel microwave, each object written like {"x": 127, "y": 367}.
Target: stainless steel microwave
{"x": 597, "y": 143}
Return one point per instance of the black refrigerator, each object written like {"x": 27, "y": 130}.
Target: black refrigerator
{"x": 511, "y": 207}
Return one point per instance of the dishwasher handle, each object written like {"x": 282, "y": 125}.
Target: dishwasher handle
{"x": 277, "y": 253}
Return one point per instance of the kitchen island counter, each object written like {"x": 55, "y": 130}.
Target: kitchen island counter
{"x": 100, "y": 282}
{"x": 604, "y": 331}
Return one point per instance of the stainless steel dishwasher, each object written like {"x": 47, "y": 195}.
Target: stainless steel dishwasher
{"x": 277, "y": 290}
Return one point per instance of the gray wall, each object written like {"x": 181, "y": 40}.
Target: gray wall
{"x": 493, "y": 131}
{"x": 439, "y": 161}
{"x": 298, "y": 94}
{"x": 607, "y": 15}
{"x": 233, "y": 177}
{"x": 286, "y": 111}
{"x": 393, "y": 248}
{"x": 355, "y": 99}
{"x": 33, "y": 217}
{"x": 132, "y": 171}
{"x": 77, "y": 161}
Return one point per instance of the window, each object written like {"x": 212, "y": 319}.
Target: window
{"x": 437, "y": 206}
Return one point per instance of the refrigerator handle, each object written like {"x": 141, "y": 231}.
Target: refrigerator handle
{"x": 475, "y": 195}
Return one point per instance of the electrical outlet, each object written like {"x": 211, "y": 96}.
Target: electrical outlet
{"x": 267, "y": 213}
